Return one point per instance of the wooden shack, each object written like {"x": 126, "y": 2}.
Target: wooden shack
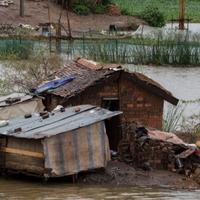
{"x": 140, "y": 98}
{"x": 56, "y": 144}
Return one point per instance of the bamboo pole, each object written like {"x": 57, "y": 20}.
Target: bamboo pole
{"x": 181, "y": 14}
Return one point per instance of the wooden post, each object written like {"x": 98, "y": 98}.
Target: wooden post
{"x": 58, "y": 37}
{"x": 181, "y": 14}
{"x": 68, "y": 22}
{"x": 21, "y": 10}
{"x": 49, "y": 18}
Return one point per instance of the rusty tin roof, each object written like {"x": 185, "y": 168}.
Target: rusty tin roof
{"x": 58, "y": 122}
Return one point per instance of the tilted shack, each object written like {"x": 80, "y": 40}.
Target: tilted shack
{"x": 63, "y": 144}
{"x": 139, "y": 98}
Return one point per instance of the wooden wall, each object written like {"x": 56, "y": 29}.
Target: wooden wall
{"x": 23, "y": 155}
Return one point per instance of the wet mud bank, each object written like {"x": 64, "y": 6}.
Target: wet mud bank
{"x": 121, "y": 174}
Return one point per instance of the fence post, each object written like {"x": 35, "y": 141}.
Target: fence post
{"x": 117, "y": 53}
{"x": 83, "y": 45}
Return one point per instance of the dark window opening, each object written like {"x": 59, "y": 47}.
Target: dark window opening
{"x": 113, "y": 127}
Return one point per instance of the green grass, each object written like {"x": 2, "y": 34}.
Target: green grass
{"x": 171, "y": 49}
{"x": 15, "y": 49}
{"x": 170, "y": 8}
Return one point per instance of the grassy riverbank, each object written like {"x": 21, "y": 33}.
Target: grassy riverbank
{"x": 170, "y": 8}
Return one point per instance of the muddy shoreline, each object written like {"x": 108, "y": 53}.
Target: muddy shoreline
{"x": 120, "y": 174}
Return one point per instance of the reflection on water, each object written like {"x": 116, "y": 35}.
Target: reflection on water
{"x": 23, "y": 190}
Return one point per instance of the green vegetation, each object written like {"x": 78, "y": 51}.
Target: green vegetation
{"x": 85, "y": 8}
{"x": 170, "y": 8}
{"x": 153, "y": 16}
{"x": 160, "y": 49}
{"x": 99, "y": 9}
{"x": 81, "y": 9}
{"x": 15, "y": 49}
{"x": 173, "y": 117}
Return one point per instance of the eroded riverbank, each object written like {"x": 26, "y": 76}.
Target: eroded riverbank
{"x": 13, "y": 189}
{"x": 120, "y": 174}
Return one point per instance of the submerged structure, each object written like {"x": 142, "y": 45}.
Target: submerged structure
{"x": 110, "y": 86}
{"x": 56, "y": 144}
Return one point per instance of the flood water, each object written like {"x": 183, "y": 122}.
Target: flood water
{"x": 25, "y": 190}
{"x": 183, "y": 83}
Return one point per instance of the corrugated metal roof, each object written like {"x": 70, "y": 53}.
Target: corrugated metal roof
{"x": 23, "y": 97}
{"x": 59, "y": 122}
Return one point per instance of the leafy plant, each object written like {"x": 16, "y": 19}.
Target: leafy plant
{"x": 99, "y": 9}
{"x": 153, "y": 16}
{"x": 81, "y": 9}
{"x": 172, "y": 118}
{"x": 106, "y": 2}
{"x": 15, "y": 49}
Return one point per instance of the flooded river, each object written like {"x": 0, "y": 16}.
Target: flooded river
{"x": 25, "y": 190}
{"x": 184, "y": 83}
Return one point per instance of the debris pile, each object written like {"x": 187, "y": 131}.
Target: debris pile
{"x": 21, "y": 29}
{"x": 148, "y": 150}
{"x": 6, "y": 29}
{"x": 6, "y": 3}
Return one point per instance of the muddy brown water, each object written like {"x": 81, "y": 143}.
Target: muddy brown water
{"x": 184, "y": 83}
{"x": 25, "y": 190}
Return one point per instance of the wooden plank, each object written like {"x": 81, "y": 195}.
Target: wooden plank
{"x": 25, "y": 144}
{"x": 22, "y": 152}
{"x": 16, "y": 166}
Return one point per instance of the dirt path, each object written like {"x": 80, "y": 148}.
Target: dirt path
{"x": 37, "y": 12}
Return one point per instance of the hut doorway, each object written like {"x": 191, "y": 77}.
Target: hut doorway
{"x": 113, "y": 128}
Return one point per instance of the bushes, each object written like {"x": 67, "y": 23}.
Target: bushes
{"x": 85, "y": 8}
{"x": 106, "y": 2}
{"x": 81, "y": 9}
{"x": 15, "y": 49}
{"x": 159, "y": 49}
{"x": 153, "y": 16}
{"x": 99, "y": 9}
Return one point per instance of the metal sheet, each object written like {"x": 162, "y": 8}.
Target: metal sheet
{"x": 79, "y": 150}
{"x": 60, "y": 122}
{"x": 23, "y": 97}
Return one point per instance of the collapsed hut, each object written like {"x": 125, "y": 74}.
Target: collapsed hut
{"x": 153, "y": 149}
{"x": 110, "y": 86}
{"x": 61, "y": 143}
